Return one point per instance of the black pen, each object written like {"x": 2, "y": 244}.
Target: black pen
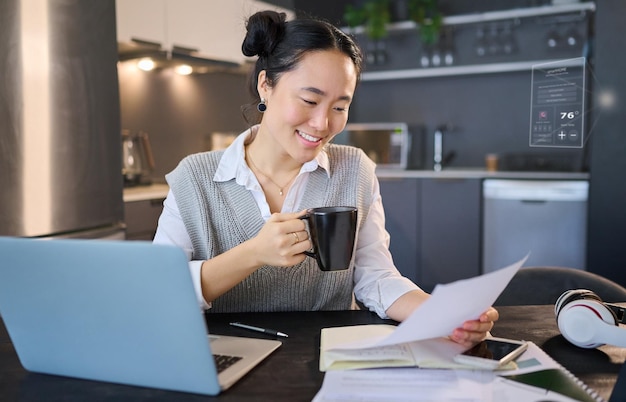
{"x": 259, "y": 329}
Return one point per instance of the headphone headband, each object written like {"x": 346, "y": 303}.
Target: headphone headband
{"x": 619, "y": 311}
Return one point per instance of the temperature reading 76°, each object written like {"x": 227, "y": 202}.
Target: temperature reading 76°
{"x": 569, "y": 115}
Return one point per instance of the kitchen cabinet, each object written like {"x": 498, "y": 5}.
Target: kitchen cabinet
{"x": 142, "y": 218}
{"x": 214, "y": 28}
{"x": 401, "y": 202}
{"x": 142, "y": 208}
{"x": 434, "y": 226}
{"x": 449, "y": 224}
{"x": 141, "y": 19}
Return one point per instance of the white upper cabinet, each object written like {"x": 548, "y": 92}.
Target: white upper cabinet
{"x": 215, "y": 28}
{"x": 141, "y": 19}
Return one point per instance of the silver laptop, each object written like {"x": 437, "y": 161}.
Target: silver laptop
{"x": 116, "y": 311}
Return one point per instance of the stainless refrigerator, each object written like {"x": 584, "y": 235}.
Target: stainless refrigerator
{"x": 60, "y": 141}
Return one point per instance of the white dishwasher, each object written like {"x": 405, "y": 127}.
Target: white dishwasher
{"x": 547, "y": 218}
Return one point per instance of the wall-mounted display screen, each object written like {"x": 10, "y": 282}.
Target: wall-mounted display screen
{"x": 558, "y": 104}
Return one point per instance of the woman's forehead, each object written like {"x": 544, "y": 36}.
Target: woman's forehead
{"x": 326, "y": 71}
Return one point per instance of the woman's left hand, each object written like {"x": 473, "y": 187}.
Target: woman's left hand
{"x": 474, "y": 331}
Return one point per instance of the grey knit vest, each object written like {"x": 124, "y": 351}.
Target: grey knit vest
{"x": 220, "y": 215}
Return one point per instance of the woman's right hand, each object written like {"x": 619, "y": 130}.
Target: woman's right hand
{"x": 275, "y": 244}
{"x": 282, "y": 240}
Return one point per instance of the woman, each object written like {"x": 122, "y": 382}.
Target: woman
{"x": 235, "y": 212}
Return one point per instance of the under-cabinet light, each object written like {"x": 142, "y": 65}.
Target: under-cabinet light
{"x": 146, "y": 64}
{"x": 184, "y": 69}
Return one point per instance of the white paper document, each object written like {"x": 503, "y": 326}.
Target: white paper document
{"x": 428, "y": 385}
{"x": 446, "y": 309}
{"x": 406, "y": 384}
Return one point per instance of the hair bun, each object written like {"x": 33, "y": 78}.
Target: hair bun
{"x": 265, "y": 30}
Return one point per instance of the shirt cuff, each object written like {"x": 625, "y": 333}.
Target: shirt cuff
{"x": 389, "y": 290}
{"x": 195, "y": 267}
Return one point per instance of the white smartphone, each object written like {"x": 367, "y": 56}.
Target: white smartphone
{"x": 492, "y": 353}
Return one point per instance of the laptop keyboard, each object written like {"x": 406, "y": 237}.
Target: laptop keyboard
{"x": 222, "y": 362}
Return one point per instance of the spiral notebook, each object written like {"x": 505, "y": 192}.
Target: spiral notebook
{"x": 619, "y": 390}
{"x": 555, "y": 378}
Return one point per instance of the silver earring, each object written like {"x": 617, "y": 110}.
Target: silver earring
{"x": 261, "y": 106}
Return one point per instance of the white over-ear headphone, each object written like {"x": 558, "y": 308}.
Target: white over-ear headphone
{"x": 587, "y": 322}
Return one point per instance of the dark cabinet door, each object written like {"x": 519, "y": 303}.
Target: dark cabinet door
{"x": 142, "y": 218}
{"x": 449, "y": 229}
{"x": 401, "y": 203}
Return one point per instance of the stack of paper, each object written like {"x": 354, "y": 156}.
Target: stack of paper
{"x": 420, "y": 340}
{"x": 537, "y": 377}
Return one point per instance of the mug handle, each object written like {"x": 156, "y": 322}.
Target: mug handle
{"x": 305, "y": 218}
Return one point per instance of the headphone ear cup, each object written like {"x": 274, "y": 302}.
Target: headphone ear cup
{"x": 589, "y": 324}
{"x": 571, "y": 295}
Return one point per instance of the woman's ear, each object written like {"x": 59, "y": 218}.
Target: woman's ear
{"x": 262, "y": 85}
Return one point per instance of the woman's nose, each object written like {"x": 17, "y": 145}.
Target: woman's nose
{"x": 319, "y": 120}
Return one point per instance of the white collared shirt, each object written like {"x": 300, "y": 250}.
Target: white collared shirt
{"x": 377, "y": 282}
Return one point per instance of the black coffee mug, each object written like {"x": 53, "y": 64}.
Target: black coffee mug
{"x": 332, "y": 231}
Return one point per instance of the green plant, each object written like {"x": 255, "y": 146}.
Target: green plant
{"x": 428, "y": 18}
{"x": 373, "y": 15}
{"x": 353, "y": 16}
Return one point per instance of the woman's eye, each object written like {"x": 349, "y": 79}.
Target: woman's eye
{"x": 310, "y": 102}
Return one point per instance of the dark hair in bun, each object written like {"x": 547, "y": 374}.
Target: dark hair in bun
{"x": 281, "y": 44}
{"x": 265, "y": 30}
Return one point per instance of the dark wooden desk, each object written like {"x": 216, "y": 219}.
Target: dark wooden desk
{"x": 291, "y": 373}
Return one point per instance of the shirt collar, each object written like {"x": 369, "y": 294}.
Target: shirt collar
{"x": 233, "y": 165}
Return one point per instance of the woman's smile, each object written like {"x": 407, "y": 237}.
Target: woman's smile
{"x": 308, "y": 137}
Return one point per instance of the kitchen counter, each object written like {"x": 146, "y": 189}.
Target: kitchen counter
{"x": 479, "y": 173}
{"x": 159, "y": 191}
{"x": 147, "y": 192}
